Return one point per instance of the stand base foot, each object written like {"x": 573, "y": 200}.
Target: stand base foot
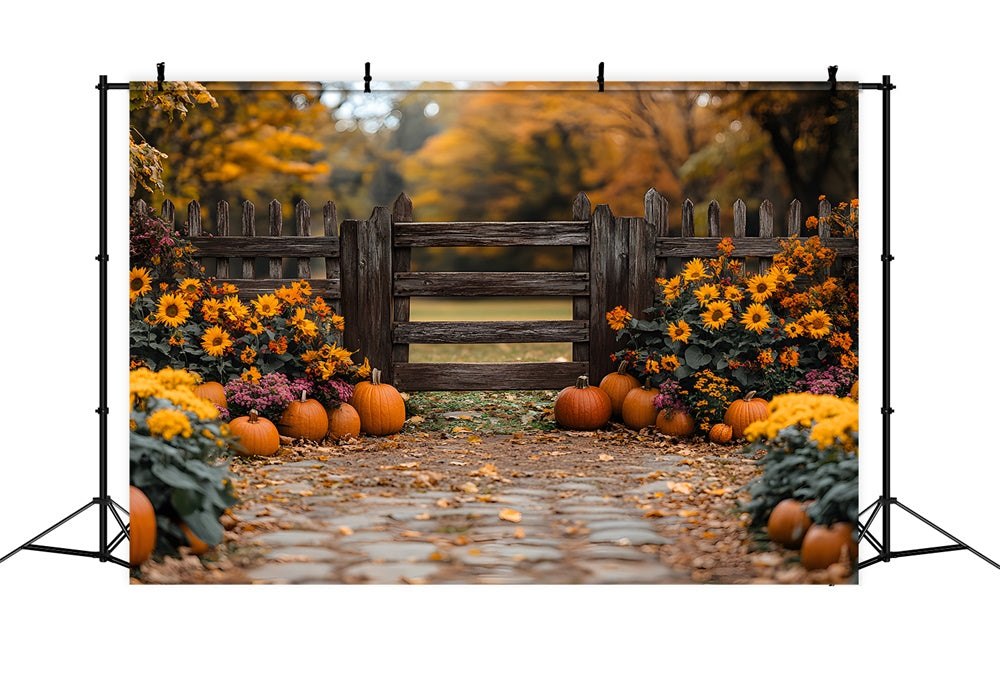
{"x": 884, "y": 551}
{"x": 103, "y": 554}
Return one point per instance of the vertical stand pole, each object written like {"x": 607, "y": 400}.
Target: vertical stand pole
{"x": 886, "y": 322}
{"x": 102, "y": 410}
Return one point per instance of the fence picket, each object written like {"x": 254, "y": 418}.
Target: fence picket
{"x": 303, "y": 224}
{"x": 167, "y": 212}
{"x": 248, "y": 231}
{"x": 402, "y": 212}
{"x": 581, "y": 263}
{"x": 222, "y": 230}
{"x": 656, "y": 209}
{"x": 714, "y": 225}
{"x": 194, "y": 219}
{"x": 766, "y": 232}
{"x": 795, "y": 218}
{"x": 274, "y": 226}
{"x": 687, "y": 218}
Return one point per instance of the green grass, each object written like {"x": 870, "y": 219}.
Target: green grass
{"x": 485, "y": 309}
{"x": 468, "y": 412}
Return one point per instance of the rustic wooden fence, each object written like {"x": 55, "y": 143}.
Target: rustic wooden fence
{"x": 367, "y": 276}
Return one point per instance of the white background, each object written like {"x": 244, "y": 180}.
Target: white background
{"x": 919, "y": 618}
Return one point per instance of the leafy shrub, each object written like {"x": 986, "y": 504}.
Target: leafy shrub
{"x": 177, "y": 451}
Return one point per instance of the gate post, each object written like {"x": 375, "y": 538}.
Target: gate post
{"x": 366, "y": 276}
{"x": 609, "y": 247}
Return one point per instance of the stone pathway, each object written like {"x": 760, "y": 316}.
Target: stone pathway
{"x": 554, "y": 508}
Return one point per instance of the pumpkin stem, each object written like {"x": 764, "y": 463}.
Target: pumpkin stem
{"x": 749, "y": 396}
{"x": 253, "y": 416}
{"x": 376, "y": 376}
{"x": 582, "y": 381}
{"x": 303, "y": 399}
{"x": 647, "y": 384}
{"x": 621, "y": 367}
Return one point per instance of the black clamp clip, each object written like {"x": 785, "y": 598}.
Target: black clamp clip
{"x": 600, "y": 77}
{"x": 832, "y": 77}
{"x": 368, "y": 76}
{"x": 159, "y": 75}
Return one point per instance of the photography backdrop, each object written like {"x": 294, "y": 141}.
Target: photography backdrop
{"x": 952, "y": 642}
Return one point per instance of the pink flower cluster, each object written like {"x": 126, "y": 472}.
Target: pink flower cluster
{"x": 670, "y": 397}
{"x": 270, "y": 396}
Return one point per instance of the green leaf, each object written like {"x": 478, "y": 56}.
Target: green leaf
{"x": 205, "y": 526}
{"x": 175, "y": 478}
{"x": 696, "y": 358}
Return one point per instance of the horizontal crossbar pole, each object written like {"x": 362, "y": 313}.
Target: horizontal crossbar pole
{"x": 271, "y": 247}
{"x": 704, "y": 247}
{"x": 926, "y": 550}
{"x": 486, "y": 376}
{"x": 327, "y": 288}
{"x": 533, "y": 331}
{"x": 62, "y": 550}
{"x": 555, "y": 233}
{"x": 492, "y": 284}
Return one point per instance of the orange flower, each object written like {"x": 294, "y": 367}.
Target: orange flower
{"x": 789, "y": 357}
{"x": 726, "y": 246}
{"x": 618, "y": 318}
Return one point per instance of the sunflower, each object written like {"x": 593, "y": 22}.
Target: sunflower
{"x": 251, "y": 376}
{"x": 716, "y": 314}
{"x": 652, "y": 366}
{"x": 267, "y": 305}
{"x": 321, "y": 308}
{"x": 781, "y": 275}
{"x": 679, "y": 331}
{"x": 816, "y": 323}
{"x": 732, "y": 294}
{"x": 233, "y": 309}
{"x": 694, "y": 270}
{"x": 254, "y": 326}
{"x": 248, "y": 356}
{"x": 794, "y": 330}
{"x": 671, "y": 288}
{"x": 706, "y": 293}
{"x": 190, "y": 287}
{"x": 735, "y": 266}
{"x": 139, "y": 283}
{"x": 668, "y": 363}
{"x": 172, "y": 310}
{"x": 215, "y": 341}
{"x": 761, "y": 287}
{"x": 210, "y": 308}
{"x": 756, "y": 317}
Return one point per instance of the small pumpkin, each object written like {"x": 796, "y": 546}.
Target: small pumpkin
{"x": 854, "y": 390}
{"x": 675, "y": 423}
{"x": 141, "y": 526}
{"x": 720, "y": 433}
{"x": 304, "y": 418}
{"x": 380, "y": 408}
{"x": 197, "y": 545}
{"x": 258, "y": 436}
{"x": 788, "y": 523}
{"x": 582, "y": 407}
{"x": 638, "y": 410}
{"x": 743, "y": 412}
{"x": 826, "y": 545}
{"x": 617, "y": 385}
{"x": 212, "y": 391}
{"x": 343, "y": 422}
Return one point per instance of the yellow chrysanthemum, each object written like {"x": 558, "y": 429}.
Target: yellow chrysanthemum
{"x": 694, "y": 270}
{"x": 831, "y": 420}
{"x": 215, "y": 341}
{"x": 267, "y": 305}
{"x": 679, "y": 331}
{"x": 716, "y": 314}
{"x": 761, "y": 287}
{"x": 816, "y": 323}
{"x": 169, "y": 423}
{"x": 139, "y": 283}
{"x": 732, "y": 293}
{"x": 618, "y": 318}
{"x": 172, "y": 310}
{"x": 706, "y": 293}
{"x": 755, "y": 318}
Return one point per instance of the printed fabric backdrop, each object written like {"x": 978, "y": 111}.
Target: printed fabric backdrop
{"x": 493, "y": 333}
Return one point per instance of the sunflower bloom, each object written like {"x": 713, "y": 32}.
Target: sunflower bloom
{"x": 679, "y": 331}
{"x": 781, "y": 275}
{"x": 694, "y": 270}
{"x": 172, "y": 310}
{"x": 190, "y": 287}
{"x": 816, "y": 323}
{"x": 755, "y": 318}
{"x": 794, "y": 330}
{"x": 761, "y": 287}
{"x": 669, "y": 363}
{"x": 267, "y": 305}
{"x": 254, "y": 326}
{"x": 248, "y": 356}
{"x": 215, "y": 341}
{"x": 618, "y": 318}
{"x": 706, "y": 293}
{"x": 716, "y": 314}
{"x": 252, "y": 375}
{"x": 139, "y": 283}
{"x": 732, "y": 293}
{"x": 789, "y": 358}
{"x": 652, "y": 366}
{"x": 233, "y": 310}
{"x": 671, "y": 288}
{"x": 210, "y": 308}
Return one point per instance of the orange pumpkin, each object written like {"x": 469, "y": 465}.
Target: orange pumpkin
{"x": 676, "y": 423}
{"x": 380, "y": 408}
{"x": 343, "y": 422}
{"x": 141, "y": 526}
{"x": 194, "y": 542}
{"x": 582, "y": 407}
{"x": 826, "y": 545}
{"x": 743, "y": 412}
{"x": 617, "y": 385}
{"x": 854, "y": 390}
{"x": 720, "y": 433}
{"x": 638, "y": 410}
{"x": 304, "y": 419}
{"x": 788, "y": 523}
{"x": 212, "y": 391}
{"x": 257, "y": 435}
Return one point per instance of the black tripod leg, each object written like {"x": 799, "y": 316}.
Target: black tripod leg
{"x": 45, "y": 532}
{"x": 864, "y": 534}
{"x": 947, "y": 534}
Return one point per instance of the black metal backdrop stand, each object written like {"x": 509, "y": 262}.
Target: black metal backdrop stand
{"x": 105, "y": 504}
